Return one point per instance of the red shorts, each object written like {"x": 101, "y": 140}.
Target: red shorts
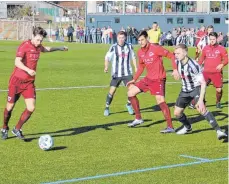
{"x": 216, "y": 78}
{"x": 155, "y": 87}
{"x": 18, "y": 87}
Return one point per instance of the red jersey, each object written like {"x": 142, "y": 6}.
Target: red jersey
{"x": 200, "y": 34}
{"x": 151, "y": 58}
{"x": 30, "y": 55}
{"x": 212, "y": 56}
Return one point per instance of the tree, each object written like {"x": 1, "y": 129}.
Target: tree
{"x": 19, "y": 11}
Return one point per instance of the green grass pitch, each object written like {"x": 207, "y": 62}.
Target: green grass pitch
{"x": 89, "y": 144}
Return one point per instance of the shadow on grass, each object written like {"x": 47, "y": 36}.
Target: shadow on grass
{"x": 224, "y": 104}
{"x": 57, "y": 148}
{"x": 154, "y": 108}
{"x": 78, "y": 130}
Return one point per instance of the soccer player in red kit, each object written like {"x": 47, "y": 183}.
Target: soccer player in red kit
{"x": 22, "y": 80}
{"x": 201, "y": 33}
{"x": 150, "y": 57}
{"x": 214, "y": 57}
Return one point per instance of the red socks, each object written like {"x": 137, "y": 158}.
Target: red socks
{"x": 166, "y": 112}
{"x": 24, "y": 117}
{"x": 7, "y": 115}
{"x": 135, "y": 104}
{"x": 218, "y": 96}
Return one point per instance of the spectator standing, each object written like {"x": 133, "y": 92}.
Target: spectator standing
{"x": 70, "y": 33}
{"x": 98, "y": 35}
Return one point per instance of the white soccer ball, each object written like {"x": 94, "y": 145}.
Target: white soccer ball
{"x": 45, "y": 142}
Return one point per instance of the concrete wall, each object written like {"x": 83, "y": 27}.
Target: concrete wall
{"x": 143, "y": 21}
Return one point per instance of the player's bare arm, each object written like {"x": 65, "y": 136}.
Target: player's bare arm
{"x": 140, "y": 70}
{"x": 135, "y": 64}
{"x": 20, "y": 65}
{"x": 106, "y": 65}
{"x": 52, "y": 49}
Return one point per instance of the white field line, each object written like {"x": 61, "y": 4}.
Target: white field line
{"x": 84, "y": 87}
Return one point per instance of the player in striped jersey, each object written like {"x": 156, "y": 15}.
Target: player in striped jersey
{"x": 120, "y": 55}
{"x": 193, "y": 87}
{"x": 204, "y": 41}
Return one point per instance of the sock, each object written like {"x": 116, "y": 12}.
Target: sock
{"x": 7, "y": 115}
{"x": 24, "y": 117}
{"x": 128, "y": 102}
{"x": 135, "y": 104}
{"x": 109, "y": 99}
{"x": 211, "y": 120}
{"x": 166, "y": 112}
{"x": 218, "y": 96}
{"x": 184, "y": 121}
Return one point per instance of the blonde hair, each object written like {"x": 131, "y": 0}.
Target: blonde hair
{"x": 182, "y": 46}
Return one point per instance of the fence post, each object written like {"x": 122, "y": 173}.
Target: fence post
{"x": 17, "y": 30}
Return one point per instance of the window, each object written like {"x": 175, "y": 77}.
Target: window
{"x": 117, "y": 20}
{"x": 152, "y": 6}
{"x": 179, "y": 20}
{"x": 226, "y": 20}
{"x": 219, "y": 6}
{"x": 92, "y": 19}
{"x": 132, "y": 7}
{"x": 109, "y": 6}
{"x": 169, "y": 20}
{"x": 190, "y": 21}
{"x": 216, "y": 20}
{"x": 180, "y": 6}
{"x": 200, "y": 20}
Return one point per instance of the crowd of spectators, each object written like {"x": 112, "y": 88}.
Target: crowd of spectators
{"x": 107, "y": 35}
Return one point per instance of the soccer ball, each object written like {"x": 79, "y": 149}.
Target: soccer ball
{"x": 45, "y": 142}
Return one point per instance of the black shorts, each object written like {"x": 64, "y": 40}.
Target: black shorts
{"x": 115, "y": 81}
{"x": 185, "y": 98}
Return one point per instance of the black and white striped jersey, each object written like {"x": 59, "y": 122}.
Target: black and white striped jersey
{"x": 190, "y": 74}
{"x": 204, "y": 41}
{"x": 121, "y": 57}
{"x": 181, "y": 39}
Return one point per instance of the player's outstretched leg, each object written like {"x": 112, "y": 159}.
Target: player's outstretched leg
{"x": 30, "y": 108}
{"x": 129, "y": 107}
{"x": 212, "y": 121}
{"x": 108, "y": 102}
{"x": 23, "y": 119}
{"x": 187, "y": 127}
{"x": 219, "y": 93}
{"x": 7, "y": 115}
{"x": 109, "y": 99}
{"x": 132, "y": 92}
{"x": 166, "y": 112}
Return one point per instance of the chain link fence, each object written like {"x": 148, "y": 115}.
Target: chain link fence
{"x": 22, "y": 29}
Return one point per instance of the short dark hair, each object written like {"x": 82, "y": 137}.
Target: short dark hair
{"x": 143, "y": 33}
{"x": 213, "y": 34}
{"x": 39, "y": 31}
{"x": 122, "y": 33}
{"x": 182, "y": 46}
{"x": 211, "y": 26}
{"x": 155, "y": 23}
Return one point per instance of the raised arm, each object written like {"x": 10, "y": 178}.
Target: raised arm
{"x": 52, "y": 49}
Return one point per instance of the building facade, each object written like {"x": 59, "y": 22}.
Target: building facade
{"x": 141, "y": 14}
